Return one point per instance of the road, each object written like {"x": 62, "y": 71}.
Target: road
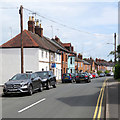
{"x": 66, "y": 101}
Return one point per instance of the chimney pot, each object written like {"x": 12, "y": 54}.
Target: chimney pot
{"x": 32, "y": 18}
{"x": 40, "y": 25}
{"x": 37, "y": 23}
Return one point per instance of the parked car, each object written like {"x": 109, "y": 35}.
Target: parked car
{"x": 23, "y": 83}
{"x": 67, "y": 77}
{"x": 82, "y": 77}
{"x": 102, "y": 75}
{"x": 94, "y": 75}
{"x": 47, "y": 78}
{"x": 90, "y": 75}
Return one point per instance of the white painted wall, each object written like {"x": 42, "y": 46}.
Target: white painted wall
{"x": 43, "y": 65}
{"x": 58, "y": 66}
{"x": 11, "y": 62}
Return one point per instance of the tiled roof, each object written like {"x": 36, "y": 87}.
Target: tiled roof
{"x": 78, "y": 60}
{"x": 30, "y": 40}
{"x": 71, "y": 55}
{"x": 66, "y": 44}
{"x": 85, "y": 62}
{"x": 60, "y": 45}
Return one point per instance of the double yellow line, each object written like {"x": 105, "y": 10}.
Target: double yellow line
{"x": 97, "y": 113}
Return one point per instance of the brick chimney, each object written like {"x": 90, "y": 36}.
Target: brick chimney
{"x": 57, "y": 39}
{"x": 38, "y": 29}
{"x": 96, "y": 60}
{"x": 31, "y": 24}
{"x": 72, "y": 48}
{"x": 80, "y": 56}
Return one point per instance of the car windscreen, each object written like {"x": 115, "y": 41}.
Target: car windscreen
{"x": 20, "y": 77}
{"x": 42, "y": 74}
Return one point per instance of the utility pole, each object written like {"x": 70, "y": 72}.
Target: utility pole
{"x": 115, "y": 45}
{"x": 21, "y": 25}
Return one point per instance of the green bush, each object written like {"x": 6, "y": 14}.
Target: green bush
{"x": 98, "y": 72}
{"x": 117, "y": 71}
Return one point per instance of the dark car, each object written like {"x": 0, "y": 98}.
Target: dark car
{"x": 67, "y": 77}
{"x": 82, "y": 77}
{"x": 23, "y": 83}
{"x": 47, "y": 78}
{"x": 102, "y": 75}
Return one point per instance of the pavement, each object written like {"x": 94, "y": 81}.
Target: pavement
{"x": 113, "y": 99}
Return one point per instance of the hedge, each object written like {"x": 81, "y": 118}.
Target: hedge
{"x": 117, "y": 71}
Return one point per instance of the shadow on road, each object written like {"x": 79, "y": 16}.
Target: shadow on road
{"x": 85, "y": 100}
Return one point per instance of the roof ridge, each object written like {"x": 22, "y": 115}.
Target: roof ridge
{"x": 31, "y": 37}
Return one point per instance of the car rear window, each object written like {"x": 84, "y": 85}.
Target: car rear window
{"x": 66, "y": 75}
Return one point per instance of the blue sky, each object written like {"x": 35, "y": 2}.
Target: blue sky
{"x": 98, "y": 18}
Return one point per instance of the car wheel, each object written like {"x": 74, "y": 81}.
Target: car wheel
{"x": 87, "y": 81}
{"x": 40, "y": 88}
{"x": 54, "y": 86}
{"x": 30, "y": 92}
{"x": 48, "y": 86}
{"x": 4, "y": 95}
{"x": 63, "y": 81}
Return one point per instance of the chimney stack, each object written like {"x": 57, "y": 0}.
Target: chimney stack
{"x": 57, "y": 39}
{"x": 38, "y": 29}
{"x": 80, "y": 56}
{"x": 31, "y": 24}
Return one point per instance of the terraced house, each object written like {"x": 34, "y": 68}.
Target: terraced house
{"x": 40, "y": 54}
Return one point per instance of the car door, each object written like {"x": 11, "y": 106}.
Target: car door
{"x": 50, "y": 78}
{"x": 35, "y": 81}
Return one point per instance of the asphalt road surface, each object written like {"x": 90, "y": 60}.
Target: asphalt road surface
{"x": 68, "y": 100}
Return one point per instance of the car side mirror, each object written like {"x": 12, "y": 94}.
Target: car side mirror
{"x": 49, "y": 75}
{"x": 9, "y": 79}
{"x": 32, "y": 78}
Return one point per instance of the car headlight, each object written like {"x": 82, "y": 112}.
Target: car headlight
{"x": 44, "y": 80}
{"x": 24, "y": 84}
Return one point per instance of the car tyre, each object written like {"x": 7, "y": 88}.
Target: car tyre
{"x": 54, "y": 86}
{"x": 40, "y": 88}
{"x": 48, "y": 85}
{"x": 30, "y": 91}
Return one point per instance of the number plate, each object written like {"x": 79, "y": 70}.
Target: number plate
{"x": 66, "y": 78}
{"x": 12, "y": 90}
{"x": 81, "y": 79}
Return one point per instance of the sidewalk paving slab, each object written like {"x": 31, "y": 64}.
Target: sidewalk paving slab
{"x": 112, "y": 100}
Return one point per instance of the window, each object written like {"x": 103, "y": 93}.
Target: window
{"x": 46, "y": 68}
{"x": 46, "y": 54}
{"x": 81, "y": 64}
{"x": 71, "y": 60}
{"x": 51, "y": 57}
{"x": 55, "y": 56}
{"x": 42, "y": 54}
{"x": 59, "y": 57}
{"x": 78, "y": 64}
{"x": 70, "y": 70}
{"x": 66, "y": 58}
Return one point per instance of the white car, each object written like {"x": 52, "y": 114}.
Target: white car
{"x": 90, "y": 75}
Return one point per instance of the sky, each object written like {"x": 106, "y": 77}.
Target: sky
{"x": 95, "y": 22}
